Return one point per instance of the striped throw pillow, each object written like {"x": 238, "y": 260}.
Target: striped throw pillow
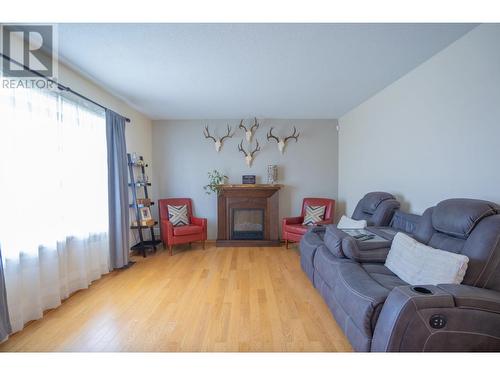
{"x": 314, "y": 214}
{"x": 178, "y": 215}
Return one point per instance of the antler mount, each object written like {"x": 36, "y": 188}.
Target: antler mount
{"x": 218, "y": 142}
{"x": 249, "y": 156}
{"x": 282, "y": 141}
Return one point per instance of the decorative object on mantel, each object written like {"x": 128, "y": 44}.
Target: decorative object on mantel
{"x": 248, "y": 179}
{"x": 250, "y": 132}
{"x": 272, "y": 174}
{"x": 215, "y": 180}
{"x": 218, "y": 141}
{"x": 282, "y": 141}
{"x": 249, "y": 156}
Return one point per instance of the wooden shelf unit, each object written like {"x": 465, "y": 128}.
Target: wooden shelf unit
{"x": 143, "y": 245}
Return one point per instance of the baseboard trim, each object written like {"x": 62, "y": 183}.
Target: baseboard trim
{"x": 247, "y": 243}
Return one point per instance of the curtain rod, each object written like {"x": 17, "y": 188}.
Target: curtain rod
{"x": 59, "y": 86}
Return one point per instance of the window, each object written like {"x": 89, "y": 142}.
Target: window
{"x": 53, "y": 186}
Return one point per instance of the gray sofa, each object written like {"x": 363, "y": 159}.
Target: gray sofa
{"x": 377, "y": 208}
{"x": 379, "y": 312}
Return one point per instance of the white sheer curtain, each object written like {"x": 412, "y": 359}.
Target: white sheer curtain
{"x": 53, "y": 186}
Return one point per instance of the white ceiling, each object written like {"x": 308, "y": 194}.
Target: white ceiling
{"x": 182, "y": 71}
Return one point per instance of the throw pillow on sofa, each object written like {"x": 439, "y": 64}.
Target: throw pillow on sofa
{"x": 178, "y": 215}
{"x": 418, "y": 264}
{"x": 348, "y": 223}
{"x": 314, "y": 214}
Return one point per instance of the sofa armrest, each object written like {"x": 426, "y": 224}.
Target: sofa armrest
{"x": 199, "y": 221}
{"x": 167, "y": 227}
{"x": 439, "y": 318}
{"x": 342, "y": 245}
{"x": 293, "y": 220}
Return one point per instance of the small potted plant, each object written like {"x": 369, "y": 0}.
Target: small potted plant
{"x": 215, "y": 179}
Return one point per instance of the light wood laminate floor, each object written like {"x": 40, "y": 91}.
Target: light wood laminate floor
{"x": 219, "y": 299}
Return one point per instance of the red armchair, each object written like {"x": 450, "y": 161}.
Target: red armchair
{"x": 170, "y": 235}
{"x": 292, "y": 227}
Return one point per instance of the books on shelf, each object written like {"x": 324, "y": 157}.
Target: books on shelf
{"x": 143, "y": 223}
{"x": 144, "y": 201}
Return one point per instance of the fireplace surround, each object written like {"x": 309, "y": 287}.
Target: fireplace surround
{"x": 248, "y": 215}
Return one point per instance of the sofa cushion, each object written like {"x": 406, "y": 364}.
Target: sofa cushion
{"x": 186, "y": 230}
{"x": 405, "y": 222}
{"x": 361, "y": 295}
{"x": 297, "y": 228}
{"x": 325, "y": 263}
{"x": 417, "y": 263}
{"x": 383, "y": 275}
{"x": 458, "y": 217}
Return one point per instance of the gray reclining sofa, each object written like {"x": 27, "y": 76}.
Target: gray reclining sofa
{"x": 380, "y": 312}
{"x": 377, "y": 208}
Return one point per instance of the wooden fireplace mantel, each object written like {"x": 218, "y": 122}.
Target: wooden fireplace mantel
{"x": 232, "y": 197}
{"x": 249, "y": 186}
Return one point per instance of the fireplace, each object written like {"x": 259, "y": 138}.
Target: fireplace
{"x": 247, "y": 215}
{"x": 247, "y": 224}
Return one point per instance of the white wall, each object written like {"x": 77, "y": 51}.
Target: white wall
{"x": 431, "y": 135}
{"x": 182, "y": 158}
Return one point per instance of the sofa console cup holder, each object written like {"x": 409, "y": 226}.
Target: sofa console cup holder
{"x": 421, "y": 290}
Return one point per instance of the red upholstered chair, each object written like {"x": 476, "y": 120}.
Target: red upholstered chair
{"x": 292, "y": 227}
{"x": 170, "y": 235}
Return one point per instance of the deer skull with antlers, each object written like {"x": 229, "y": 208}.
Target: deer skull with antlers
{"x": 248, "y": 156}
{"x": 249, "y": 132}
{"x": 282, "y": 141}
{"x": 218, "y": 141}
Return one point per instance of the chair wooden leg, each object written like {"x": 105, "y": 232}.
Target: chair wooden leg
{"x": 286, "y": 244}
{"x": 171, "y": 250}
{"x": 203, "y": 244}
{"x": 190, "y": 244}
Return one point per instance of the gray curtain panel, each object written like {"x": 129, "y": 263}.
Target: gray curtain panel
{"x": 119, "y": 242}
{"x": 5, "y": 328}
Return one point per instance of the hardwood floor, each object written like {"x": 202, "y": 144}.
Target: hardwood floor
{"x": 219, "y": 299}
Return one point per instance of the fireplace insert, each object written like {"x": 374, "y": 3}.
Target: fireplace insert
{"x": 247, "y": 224}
